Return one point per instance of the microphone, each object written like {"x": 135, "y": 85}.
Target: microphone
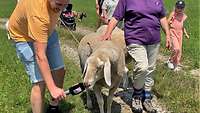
{"x": 75, "y": 89}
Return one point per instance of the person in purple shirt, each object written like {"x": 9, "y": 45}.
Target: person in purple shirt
{"x": 143, "y": 19}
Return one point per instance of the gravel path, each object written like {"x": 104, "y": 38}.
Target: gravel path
{"x": 70, "y": 52}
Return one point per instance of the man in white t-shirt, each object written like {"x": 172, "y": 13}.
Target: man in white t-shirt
{"x": 108, "y": 9}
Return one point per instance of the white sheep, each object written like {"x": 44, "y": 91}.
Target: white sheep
{"x": 91, "y": 41}
{"x": 103, "y": 64}
{"x": 118, "y": 38}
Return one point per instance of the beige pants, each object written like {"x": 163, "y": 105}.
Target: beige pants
{"x": 145, "y": 59}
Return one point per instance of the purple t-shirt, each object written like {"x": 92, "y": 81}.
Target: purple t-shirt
{"x": 142, "y": 20}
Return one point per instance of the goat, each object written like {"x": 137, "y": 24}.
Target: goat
{"x": 103, "y": 65}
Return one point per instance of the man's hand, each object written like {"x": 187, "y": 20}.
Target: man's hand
{"x": 111, "y": 25}
{"x": 57, "y": 93}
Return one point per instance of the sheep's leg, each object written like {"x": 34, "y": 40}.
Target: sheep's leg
{"x": 99, "y": 97}
{"x": 89, "y": 101}
{"x": 111, "y": 94}
{"x": 110, "y": 99}
{"x": 125, "y": 79}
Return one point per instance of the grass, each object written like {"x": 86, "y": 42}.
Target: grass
{"x": 87, "y": 6}
{"x": 14, "y": 84}
{"x": 178, "y": 91}
{"x": 6, "y": 7}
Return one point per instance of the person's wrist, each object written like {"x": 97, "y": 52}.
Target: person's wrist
{"x": 107, "y": 34}
{"x": 52, "y": 88}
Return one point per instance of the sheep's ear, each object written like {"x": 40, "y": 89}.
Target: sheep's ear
{"x": 89, "y": 49}
{"x": 85, "y": 69}
{"x": 107, "y": 72}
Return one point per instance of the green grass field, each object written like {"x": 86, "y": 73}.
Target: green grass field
{"x": 178, "y": 91}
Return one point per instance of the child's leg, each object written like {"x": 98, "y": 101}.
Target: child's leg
{"x": 175, "y": 51}
{"x": 180, "y": 51}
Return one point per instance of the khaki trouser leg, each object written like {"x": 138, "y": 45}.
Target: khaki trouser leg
{"x": 145, "y": 58}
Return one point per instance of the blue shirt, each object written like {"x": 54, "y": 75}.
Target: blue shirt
{"x": 142, "y": 20}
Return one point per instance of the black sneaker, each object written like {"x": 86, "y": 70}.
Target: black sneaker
{"x": 53, "y": 109}
{"x": 147, "y": 103}
{"x": 137, "y": 101}
{"x": 137, "y": 104}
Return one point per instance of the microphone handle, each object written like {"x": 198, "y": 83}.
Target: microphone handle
{"x": 67, "y": 92}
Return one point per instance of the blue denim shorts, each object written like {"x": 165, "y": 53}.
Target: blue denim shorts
{"x": 25, "y": 53}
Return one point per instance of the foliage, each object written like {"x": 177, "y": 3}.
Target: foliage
{"x": 6, "y": 7}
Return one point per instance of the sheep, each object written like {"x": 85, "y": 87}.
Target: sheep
{"x": 102, "y": 64}
{"x": 118, "y": 38}
{"x": 90, "y": 41}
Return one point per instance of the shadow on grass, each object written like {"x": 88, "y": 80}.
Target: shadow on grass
{"x": 116, "y": 108}
{"x": 65, "y": 107}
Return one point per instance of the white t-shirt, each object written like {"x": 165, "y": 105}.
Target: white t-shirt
{"x": 110, "y": 6}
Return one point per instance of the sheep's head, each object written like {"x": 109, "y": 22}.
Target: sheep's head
{"x": 93, "y": 70}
